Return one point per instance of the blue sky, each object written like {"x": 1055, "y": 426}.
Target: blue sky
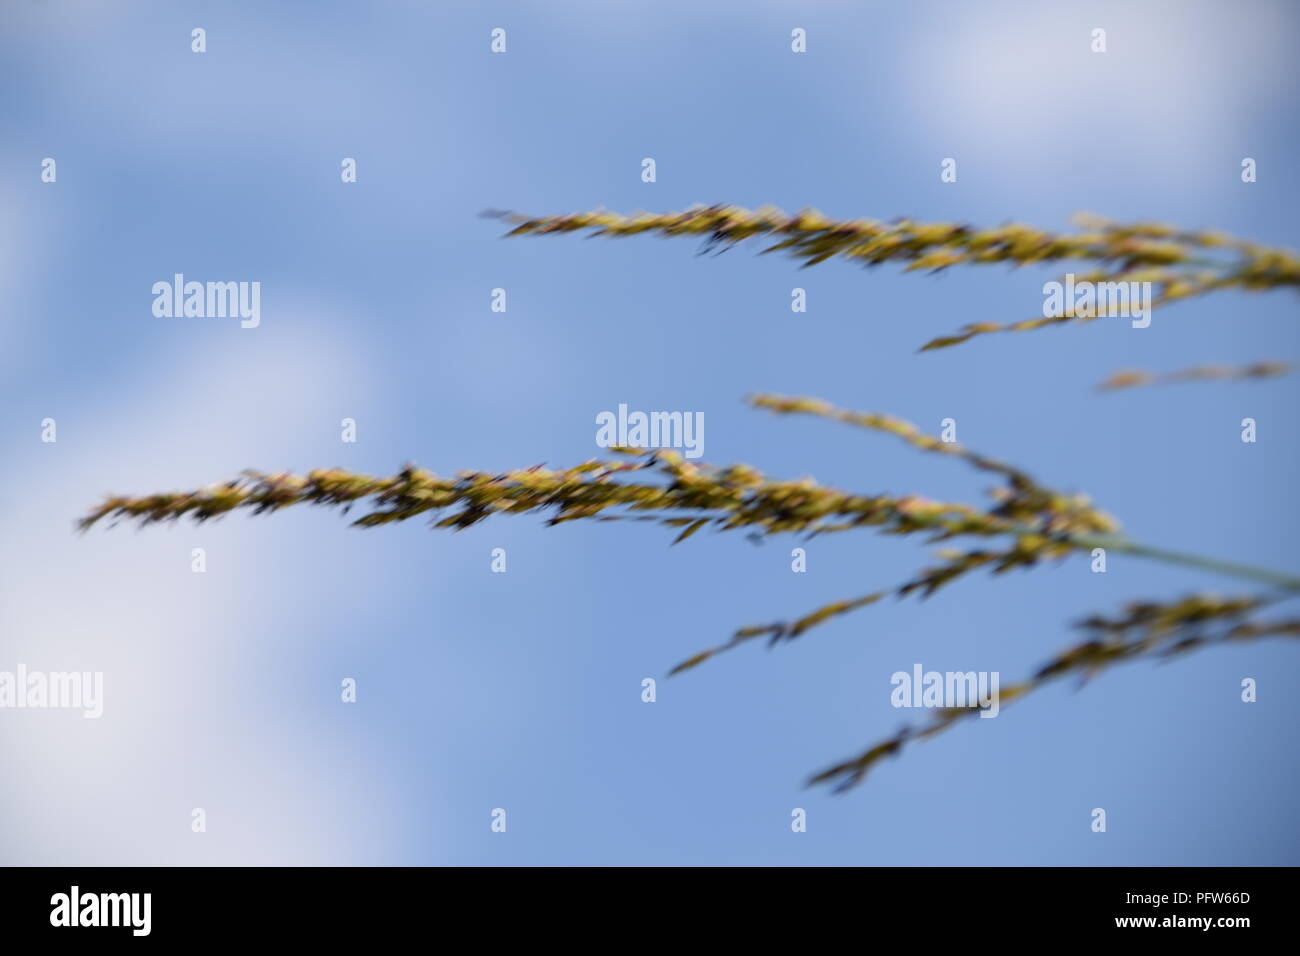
{"x": 522, "y": 690}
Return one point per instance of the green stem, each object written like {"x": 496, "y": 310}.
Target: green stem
{"x": 1264, "y": 575}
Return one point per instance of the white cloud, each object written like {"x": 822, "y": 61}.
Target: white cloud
{"x": 1176, "y": 80}
{"x": 181, "y": 726}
